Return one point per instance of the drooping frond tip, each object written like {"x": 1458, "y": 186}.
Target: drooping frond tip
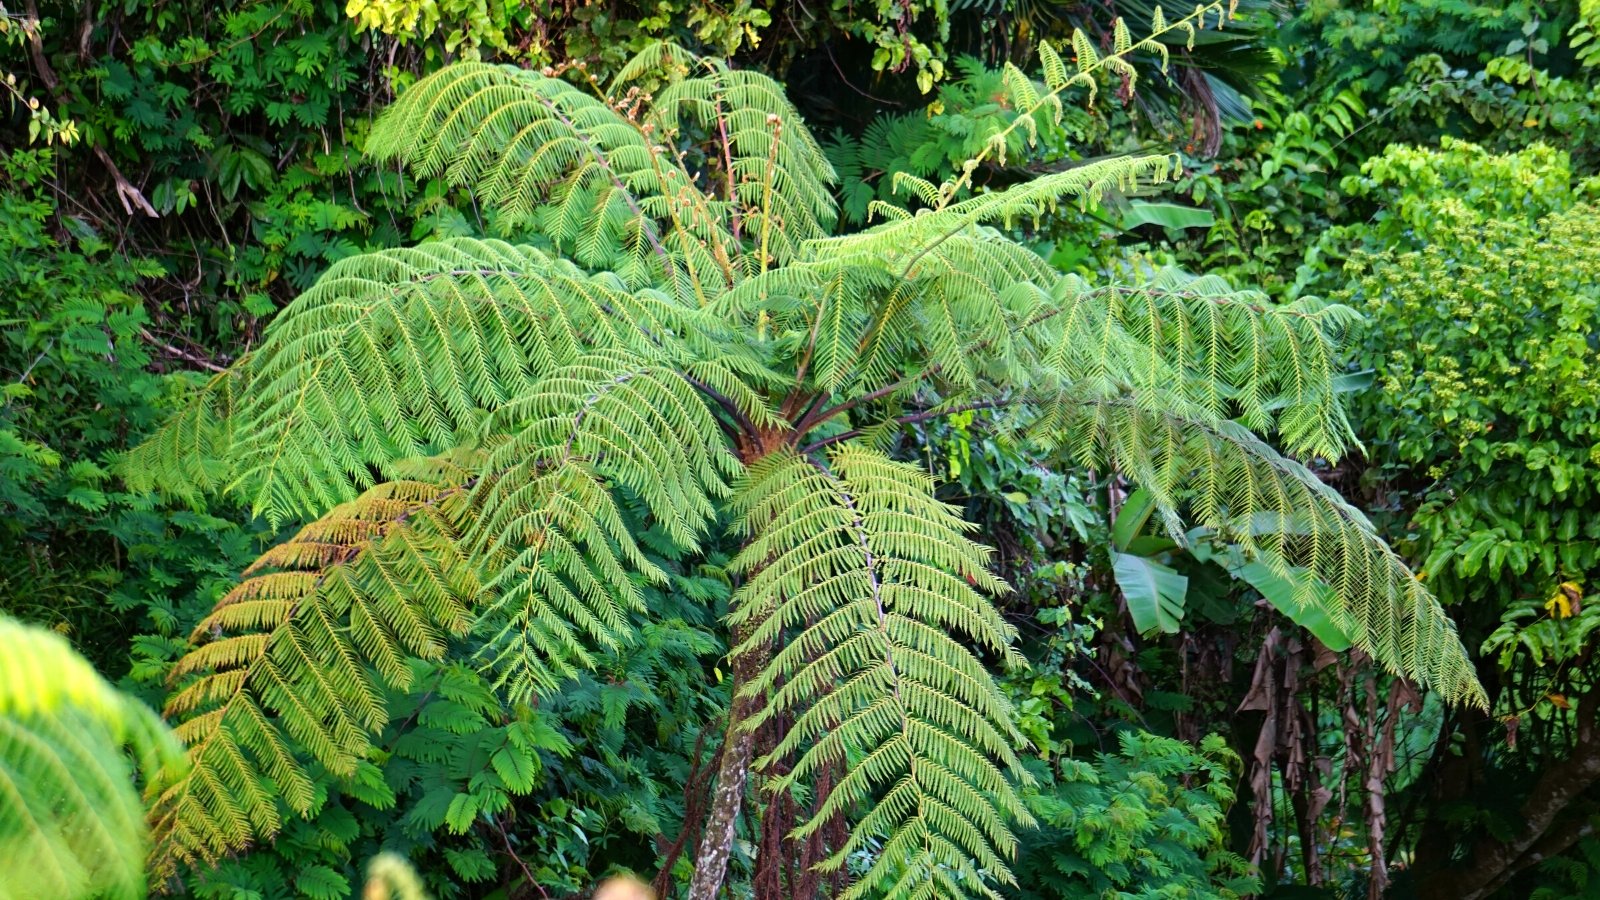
{"x": 1280, "y": 513}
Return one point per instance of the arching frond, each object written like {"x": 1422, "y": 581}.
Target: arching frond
{"x": 71, "y": 824}
{"x": 395, "y": 355}
{"x": 868, "y": 589}
{"x": 954, "y": 317}
{"x": 293, "y": 663}
{"x": 1231, "y": 353}
{"x": 189, "y": 456}
{"x": 1277, "y": 511}
{"x": 525, "y": 541}
{"x": 563, "y": 558}
{"x": 544, "y": 153}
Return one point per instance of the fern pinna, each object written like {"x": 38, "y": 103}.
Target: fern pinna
{"x": 672, "y": 324}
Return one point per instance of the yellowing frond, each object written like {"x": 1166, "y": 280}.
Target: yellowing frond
{"x": 293, "y": 662}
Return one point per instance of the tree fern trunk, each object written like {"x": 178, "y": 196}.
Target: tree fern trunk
{"x": 727, "y": 797}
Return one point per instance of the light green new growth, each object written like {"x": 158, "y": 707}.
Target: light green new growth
{"x": 71, "y": 824}
{"x": 698, "y": 347}
{"x": 390, "y": 877}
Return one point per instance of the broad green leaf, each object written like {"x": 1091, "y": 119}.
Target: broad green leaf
{"x": 1132, "y": 517}
{"x": 1167, "y": 215}
{"x": 1155, "y": 592}
{"x": 1280, "y": 591}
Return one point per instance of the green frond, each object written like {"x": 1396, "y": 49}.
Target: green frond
{"x": 782, "y": 181}
{"x": 543, "y": 153}
{"x": 869, "y": 591}
{"x": 957, "y": 313}
{"x": 658, "y": 60}
{"x": 396, "y": 355}
{"x": 1232, "y": 354}
{"x": 71, "y": 824}
{"x": 1278, "y": 512}
{"x": 188, "y": 456}
{"x": 293, "y": 663}
{"x": 564, "y": 559}
{"x": 858, "y": 324}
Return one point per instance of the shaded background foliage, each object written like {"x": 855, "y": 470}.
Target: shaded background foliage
{"x": 215, "y": 170}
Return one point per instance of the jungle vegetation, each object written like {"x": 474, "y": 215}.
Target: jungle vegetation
{"x": 987, "y": 449}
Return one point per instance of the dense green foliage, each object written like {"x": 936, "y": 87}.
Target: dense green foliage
{"x": 474, "y": 559}
{"x": 1144, "y": 822}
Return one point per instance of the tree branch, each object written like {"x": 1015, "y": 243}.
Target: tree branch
{"x": 181, "y": 353}
{"x": 1492, "y": 863}
{"x": 131, "y": 197}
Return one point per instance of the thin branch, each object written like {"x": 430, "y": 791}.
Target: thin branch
{"x": 505, "y": 840}
{"x": 130, "y": 196}
{"x": 815, "y": 418}
{"x": 911, "y": 418}
{"x": 181, "y": 353}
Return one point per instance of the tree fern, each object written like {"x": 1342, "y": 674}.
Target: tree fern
{"x": 71, "y": 824}
{"x": 699, "y": 345}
